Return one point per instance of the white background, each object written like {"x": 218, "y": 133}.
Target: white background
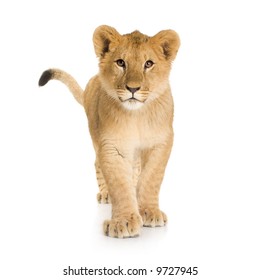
{"x": 49, "y": 215}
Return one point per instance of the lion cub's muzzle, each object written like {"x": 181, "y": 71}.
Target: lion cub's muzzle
{"x": 132, "y": 93}
{"x": 132, "y": 98}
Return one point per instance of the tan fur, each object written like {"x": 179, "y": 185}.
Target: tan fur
{"x": 132, "y": 137}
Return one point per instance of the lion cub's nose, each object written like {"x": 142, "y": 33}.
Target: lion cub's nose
{"x": 132, "y": 90}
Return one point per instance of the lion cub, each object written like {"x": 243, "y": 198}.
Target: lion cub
{"x": 130, "y": 113}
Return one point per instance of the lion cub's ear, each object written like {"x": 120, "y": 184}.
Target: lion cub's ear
{"x": 169, "y": 42}
{"x": 104, "y": 38}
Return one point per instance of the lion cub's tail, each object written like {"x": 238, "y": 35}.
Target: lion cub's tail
{"x": 67, "y": 79}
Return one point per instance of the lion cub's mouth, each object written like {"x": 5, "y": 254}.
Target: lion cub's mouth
{"x": 131, "y": 103}
{"x": 132, "y": 99}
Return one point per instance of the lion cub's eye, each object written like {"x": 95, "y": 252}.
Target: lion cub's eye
{"x": 148, "y": 64}
{"x": 120, "y": 63}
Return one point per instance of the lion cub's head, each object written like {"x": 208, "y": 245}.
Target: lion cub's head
{"x": 134, "y": 68}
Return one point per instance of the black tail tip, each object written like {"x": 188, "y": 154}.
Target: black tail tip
{"x": 45, "y": 77}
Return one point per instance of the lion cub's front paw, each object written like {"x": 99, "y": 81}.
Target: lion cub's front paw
{"x": 103, "y": 197}
{"x": 123, "y": 227}
{"x": 153, "y": 217}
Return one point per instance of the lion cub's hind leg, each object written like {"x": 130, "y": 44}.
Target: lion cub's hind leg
{"x": 103, "y": 195}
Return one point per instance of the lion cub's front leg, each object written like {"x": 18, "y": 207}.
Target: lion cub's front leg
{"x": 117, "y": 167}
{"x": 148, "y": 188}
